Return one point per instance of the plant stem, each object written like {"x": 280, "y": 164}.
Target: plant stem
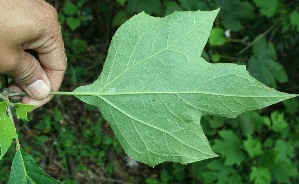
{"x": 18, "y": 146}
{"x": 55, "y": 93}
{"x": 256, "y": 39}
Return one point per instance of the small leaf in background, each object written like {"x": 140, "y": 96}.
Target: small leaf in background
{"x": 294, "y": 19}
{"x": 278, "y": 121}
{"x": 215, "y": 57}
{"x": 281, "y": 170}
{"x": 154, "y": 92}
{"x": 61, "y": 18}
{"x": 232, "y": 19}
{"x": 193, "y": 5}
{"x": 221, "y": 174}
{"x": 267, "y": 7}
{"x": 22, "y": 110}
{"x": 260, "y": 175}
{"x": 120, "y": 18}
{"x": 264, "y": 66}
{"x": 73, "y": 23}
{"x": 216, "y": 122}
{"x": 7, "y": 130}
{"x": 229, "y": 147}
{"x": 24, "y": 170}
{"x": 284, "y": 149}
{"x": 69, "y": 8}
{"x": 121, "y": 2}
{"x": 78, "y": 46}
{"x": 253, "y": 147}
{"x": 217, "y": 37}
{"x": 171, "y": 7}
{"x": 292, "y": 105}
{"x": 250, "y": 122}
{"x": 149, "y": 7}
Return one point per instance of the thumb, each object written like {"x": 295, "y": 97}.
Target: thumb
{"x": 30, "y": 76}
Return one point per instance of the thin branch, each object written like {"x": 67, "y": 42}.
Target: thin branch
{"x": 256, "y": 40}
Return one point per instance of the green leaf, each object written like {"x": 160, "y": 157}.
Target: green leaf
{"x": 281, "y": 170}
{"x": 217, "y": 37}
{"x": 7, "y": 130}
{"x": 216, "y": 122}
{"x": 229, "y": 147}
{"x": 292, "y": 106}
{"x": 150, "y": 7}
{"x": 193, "y": 5}
{"x": 221, "y": 174}
{"x": 121, "y": 2}
{"x": 260, "y": 175}
{"x": 73, "y": 23}
{"x": 215, "y": 57}
{"x": 22, "y": 110}
{"x": 294, "y": 19}
{"x": 230, "y": 17}
{"x": 120, "y": 18}
{"x": 264, "y": 66}
{"x": 253, "y": 147}
{"x": 24, "y": 170}
{"x": 69, "y": 8}
{"x": 250, "y": 122}
{"x": 155, "y": 87}
{"x": 267, "y": 7}
{"x": 278, "y": 121}
{"x": 171, "y": 7}
{"x": 285, "y": 150}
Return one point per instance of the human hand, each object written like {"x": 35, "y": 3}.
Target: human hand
{"x": 31, "y": 25}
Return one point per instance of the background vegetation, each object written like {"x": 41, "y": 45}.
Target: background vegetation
{"x": 73, "y": 143}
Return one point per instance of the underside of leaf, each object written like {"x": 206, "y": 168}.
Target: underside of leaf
{"x": 155, "y": 87}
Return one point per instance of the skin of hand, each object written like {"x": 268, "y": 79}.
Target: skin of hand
{"x": 31, "y": 25}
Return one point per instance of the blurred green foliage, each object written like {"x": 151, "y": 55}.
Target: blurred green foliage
{"x": 259, "y": 147}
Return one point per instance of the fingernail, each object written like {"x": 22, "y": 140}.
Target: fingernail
{"x": 39, "y": 89}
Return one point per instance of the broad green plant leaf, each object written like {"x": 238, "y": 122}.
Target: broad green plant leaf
{"x": 230, "y": 147}
{"x": 7, "y": 130}
{"x": 73, "y": 23}
{"x": 22, "y": 110}
{"x": 294, "y": 19}
{"x": 263, "y": 64}
{"x": 282, "y": 170}
{"x": 260, "y": 175}
{"x": 234, "y": 13}
{"x": 221, "y": 174}
{"x": 155, "y": 87}
{"x": 69, "y": 8}
{"x": 253, "y": 146}
{"x": 267, "y": 7}
{"x": 24, "y": 170}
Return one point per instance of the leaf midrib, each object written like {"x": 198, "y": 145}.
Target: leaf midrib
{"x": 174, "y": 93}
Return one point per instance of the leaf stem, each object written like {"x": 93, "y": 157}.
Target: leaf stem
{"x": 18, "y": 146}
{"x": 65, "y": 93}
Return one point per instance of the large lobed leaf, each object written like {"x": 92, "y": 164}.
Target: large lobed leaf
{"x": 155, "y": 88}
